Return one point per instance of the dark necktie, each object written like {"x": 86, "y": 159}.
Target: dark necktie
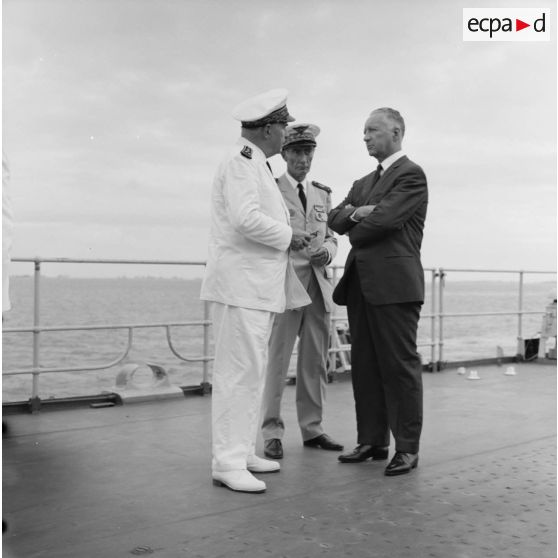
{"x": 302, "y": 195}
{"x": 269, "y": 167}
{"x": 377, "y": 175}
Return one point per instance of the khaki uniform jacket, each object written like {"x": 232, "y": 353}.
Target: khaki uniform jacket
{"x": 318, "y": 205}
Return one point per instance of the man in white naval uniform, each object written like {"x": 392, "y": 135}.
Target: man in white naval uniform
{"x": 308, "y": 203}
{"x": 245, "y": 278}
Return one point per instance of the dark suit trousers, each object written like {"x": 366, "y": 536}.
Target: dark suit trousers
{"x": 386, "y": 370}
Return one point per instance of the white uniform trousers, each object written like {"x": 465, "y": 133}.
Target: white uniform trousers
{"x": 241, "y": 348}
{"x": 311, "y": 324}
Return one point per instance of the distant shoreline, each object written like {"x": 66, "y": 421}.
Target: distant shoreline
{"x": 538, "y": 279}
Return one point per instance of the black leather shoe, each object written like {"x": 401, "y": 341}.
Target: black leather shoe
{"x": 401, "y": 463}
{"x": 323, "y": 441}
{"x": 273, "y": 448}
{"x": 363, "y": 452}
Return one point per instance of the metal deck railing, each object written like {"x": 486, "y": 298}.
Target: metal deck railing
{"x": 436, "y": 316}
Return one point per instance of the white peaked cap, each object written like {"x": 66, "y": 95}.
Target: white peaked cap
{"x": 267, "y": 107}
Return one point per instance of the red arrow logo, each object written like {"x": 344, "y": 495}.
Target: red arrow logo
{"x": 519, "y": 25}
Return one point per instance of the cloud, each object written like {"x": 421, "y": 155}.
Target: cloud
{"x": 116, "y": 114}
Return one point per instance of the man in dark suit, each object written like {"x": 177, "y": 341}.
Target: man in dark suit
{"x": 383, "y": 289}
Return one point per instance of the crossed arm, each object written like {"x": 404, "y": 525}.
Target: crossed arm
{"x": 367, "y": 223}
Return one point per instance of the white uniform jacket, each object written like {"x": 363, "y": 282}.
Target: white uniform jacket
{"x": 249, "y": 236}
{"x": 318, "y": 205}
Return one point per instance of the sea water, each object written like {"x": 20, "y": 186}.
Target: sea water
{"x": 95, "y": 301}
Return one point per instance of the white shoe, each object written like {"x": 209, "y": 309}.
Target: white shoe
{"x": 256, "y": 464}
{"x": 239, "y": 480}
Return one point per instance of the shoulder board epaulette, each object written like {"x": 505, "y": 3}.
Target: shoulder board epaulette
{"x": 246, "y": 152}
{"x": 321, "y": 186}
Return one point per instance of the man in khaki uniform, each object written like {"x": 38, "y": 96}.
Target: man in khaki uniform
{"x": 308, "y": 203}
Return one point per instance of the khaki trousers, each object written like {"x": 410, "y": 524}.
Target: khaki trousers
{"x": 311, "y": 325}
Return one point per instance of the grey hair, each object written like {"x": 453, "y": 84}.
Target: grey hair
{"x": 393, "y": 115}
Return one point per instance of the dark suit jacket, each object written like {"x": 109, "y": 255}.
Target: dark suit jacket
{"x": 386, "y": 244}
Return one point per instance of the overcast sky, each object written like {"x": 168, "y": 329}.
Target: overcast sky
{"x": 116, "y": 113}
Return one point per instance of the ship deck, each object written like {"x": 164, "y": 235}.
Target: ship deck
{"x": 135, "y": 479}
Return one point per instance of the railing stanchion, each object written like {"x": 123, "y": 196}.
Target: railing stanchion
{"x": 35, "y": 400}
{"x": 520, "y": 348}
{"x": 433, "y": 322}
{"x": 441, "y": 285}
{"x": 206, "y": 386}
